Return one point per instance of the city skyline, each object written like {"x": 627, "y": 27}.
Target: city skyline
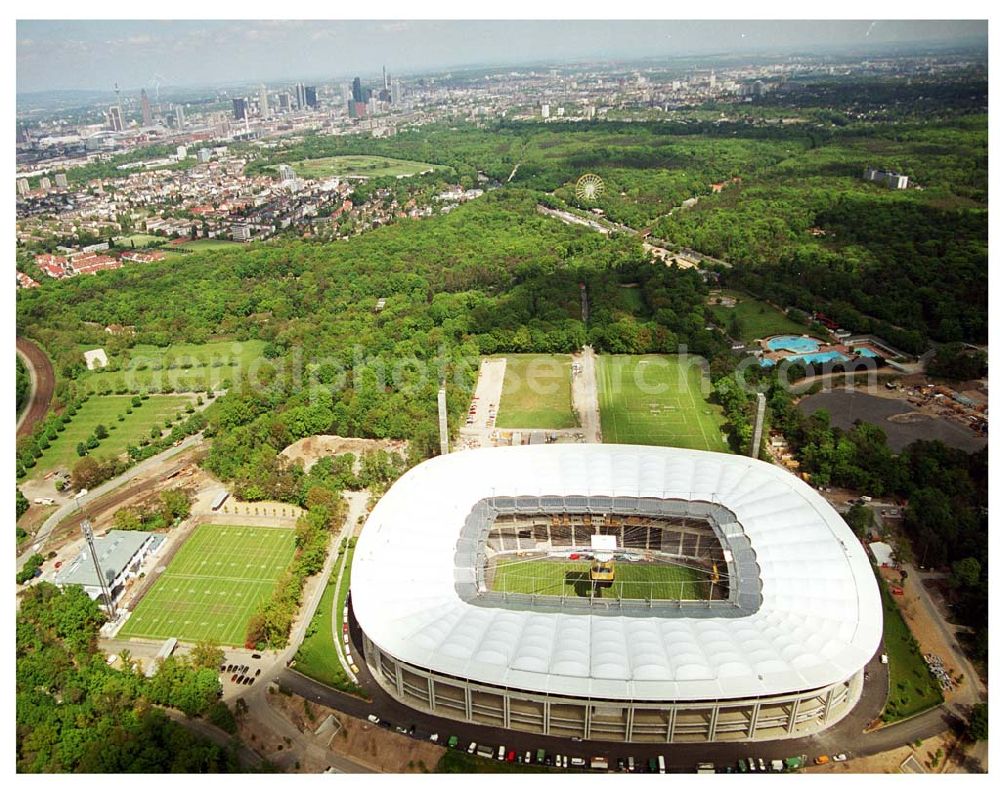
{"x": 86, "y": 55}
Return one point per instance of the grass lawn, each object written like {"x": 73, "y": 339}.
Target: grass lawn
{"x": 657, "y": 400}
{"x": 759, "y": 319}
{"x": 455, "y": 761}
{"x": 202, "y": 244}
{"x": 357, "y": 165}
{"x": 572, "y": 578}
{"x": 912, "y": 687}
{"x": 149, "y": 368}
{"x": 140, "y": 240}
{"x": 105, "y": 410}
{"x": 536, "y": 393}
{"x": 213, "y": 584}
{"x": 316, "y": 656}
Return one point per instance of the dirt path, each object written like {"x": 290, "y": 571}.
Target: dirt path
{"x": 43, "y": 383}
{"x": 584, "y": 394}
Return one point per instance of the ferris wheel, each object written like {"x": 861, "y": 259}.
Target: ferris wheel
{"x": 589, "y": 187}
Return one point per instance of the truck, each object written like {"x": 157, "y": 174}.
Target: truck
{"x": 486, "y": 752}
{"x": 661, "y": 764}
{"x": 706, "y": 767}
{"x": 599, "y": 763}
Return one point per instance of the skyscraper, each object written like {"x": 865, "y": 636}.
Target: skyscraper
{"x": 397, "y": 92}
{"x": 115, "y": 118}
{"x": 284, "y": 101}
{"x": 310, "y": 97}
{"x": 240, "y": 108}
{"x": 300, "y": 96}
{"x": 265, "y": 112}
{"x": 356, "y": 93}
{"x": 179, "y": 116}
{"x": 147, "y": 111}
{"x": 385, "y": 79}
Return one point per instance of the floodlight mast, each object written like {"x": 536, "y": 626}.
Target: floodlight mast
{"x": 88, "y": 533}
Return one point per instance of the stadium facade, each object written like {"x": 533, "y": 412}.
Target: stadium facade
{"x": 776, "y": 649}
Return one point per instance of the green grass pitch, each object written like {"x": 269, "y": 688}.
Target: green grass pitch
{"x": 213, "y": 584}
{"x": 572, "y": 578}
{"x": 657, "y": 400}
{"x": 536, "y": 393}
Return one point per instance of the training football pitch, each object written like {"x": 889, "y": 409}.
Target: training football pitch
{"x": 572, "y": 578}
{"x": 536, "y": 393}
{"x": 213, "y": 584}
{"x": 657, "y": 400}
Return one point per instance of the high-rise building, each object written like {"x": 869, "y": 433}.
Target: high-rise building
{"x": 284, "y": 101}
{"x": 115, "y": 118}
{"x": 61, "y": 181}
{"x": 182, "y": 152}
{"x": 545, "y": 110}
{"x": 357, "y": 109}
{"x": 147, "y": 111}
{"x": 204, "y": 155}
{"x": 240, "y": 108}
{"x": 385, "y": 79}
{"x": 45, "y": 184}
{"x": 300, "y": 96}
{"x": 22, "y": 186}
{"x": 286, "y": 173}
{"x": 265, "y": 112}
{"x": 310, "y": 97}
{"x": 179, "y": 116}
{"x": 356, "y": 93}
{"x": 396, "y": 92}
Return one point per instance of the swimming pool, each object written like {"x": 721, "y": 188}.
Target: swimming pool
{"x": 796, "y": 344}
{"x": 832, "y": 355}
{"x": 868, "y": 353}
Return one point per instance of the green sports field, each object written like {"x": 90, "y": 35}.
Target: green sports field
{"x": 572, "y": 578}
{"x": 536, "y": 393}
{"x": 213, "y": 584}
{"x": 657, "y": 400}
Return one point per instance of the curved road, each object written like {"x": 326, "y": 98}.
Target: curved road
{"x": 43, "y": 383}
{"x": 846, "y": 736}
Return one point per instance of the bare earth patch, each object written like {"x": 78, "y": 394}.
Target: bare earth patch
{"x": 311, "y": 449}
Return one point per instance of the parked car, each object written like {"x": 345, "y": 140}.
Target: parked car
{"x": 823, "y": 759}
{"x": 578, "y": 762}
{"x": 471, "y": 748}
{"x": 840, "y": 757}
{"x": 434, "y": 737}
{"x": 512, "y": 755}
{"x": 502, "y": 752}
{"x": 373, "y": 718}
{"x": 453, "y": 742}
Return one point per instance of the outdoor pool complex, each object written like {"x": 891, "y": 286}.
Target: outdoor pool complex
{"x": 867, "y": 352}
{"x": 795, "y": 344}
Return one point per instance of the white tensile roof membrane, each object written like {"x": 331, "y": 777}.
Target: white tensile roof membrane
{"x": 819, "y": 622}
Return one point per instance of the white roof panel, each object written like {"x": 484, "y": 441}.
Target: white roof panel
{"x": 819, "y": 621}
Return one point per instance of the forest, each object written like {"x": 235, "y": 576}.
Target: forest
{"x": 78, "y": 714}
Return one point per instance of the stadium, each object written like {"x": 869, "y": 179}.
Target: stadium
{"x": 615, "y": 592}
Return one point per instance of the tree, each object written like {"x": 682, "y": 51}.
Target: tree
{"x": 978, "y": 722}
{"x": 101, "y": 432}
{"x": 22, "y": 504}
{"x": 86, "y": 473}
{"x": 207, "y": 655}
{"x": 965, "y": 572}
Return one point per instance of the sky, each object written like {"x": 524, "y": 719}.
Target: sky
{"x": 93, "y": 55}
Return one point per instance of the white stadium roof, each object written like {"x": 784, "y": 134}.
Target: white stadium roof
{"x": 819, "y": 620}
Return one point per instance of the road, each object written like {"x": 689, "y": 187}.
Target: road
{"x": 584, "y": 395}
{"x": 43, "y": 382}
{"x": 972, "y": 690}
{"x": 847, "y": 735}
{"x": 248, "y": 757}
{"x": 154, "y": 467}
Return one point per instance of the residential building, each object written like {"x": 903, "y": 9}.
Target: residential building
{"x": 241, "y": 232}
{"x": 61, "y": 182}
{"x": 22, "y": 186}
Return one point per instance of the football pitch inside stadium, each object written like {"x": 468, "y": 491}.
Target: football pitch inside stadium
{"x": 541, "y": 577}
{"x": 213, "y": 584}
{"x": 657, "y": 400}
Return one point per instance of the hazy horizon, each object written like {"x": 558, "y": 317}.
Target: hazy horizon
{"x": 93, "y": 55}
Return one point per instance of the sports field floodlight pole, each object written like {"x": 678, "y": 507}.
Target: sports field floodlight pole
{"x": 88, "y": 533}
